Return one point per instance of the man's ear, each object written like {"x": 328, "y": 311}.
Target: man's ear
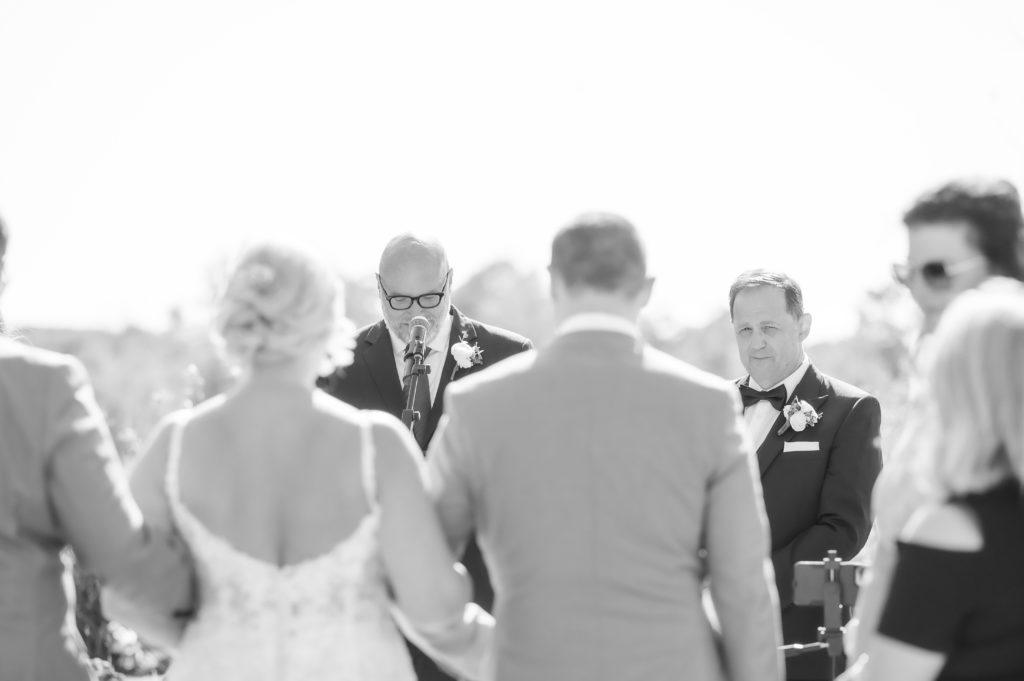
{"x": 643, "y": 296}
{"x": 805, "y": 325}
{"x": 555, "y": 285}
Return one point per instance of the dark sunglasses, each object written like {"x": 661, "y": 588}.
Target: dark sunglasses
{"x": 427, "y": 301}
{"x": 935, "y": 273}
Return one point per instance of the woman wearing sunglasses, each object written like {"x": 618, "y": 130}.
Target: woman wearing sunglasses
{"x": 963, "y": 235}
{"x": 959, "y": 236}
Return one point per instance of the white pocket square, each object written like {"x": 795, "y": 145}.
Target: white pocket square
{"x": 800, "y": 447}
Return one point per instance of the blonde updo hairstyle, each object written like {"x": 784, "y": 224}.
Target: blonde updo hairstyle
{"x": 975, "y": 394}
{"x": 279, "y": 303}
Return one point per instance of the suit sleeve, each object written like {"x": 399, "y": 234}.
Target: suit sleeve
{"x": 844, "y": 507}
{"x": 89, "y": 494}
{"x": 736, "y": 538}
{"x": 450, "y": 478}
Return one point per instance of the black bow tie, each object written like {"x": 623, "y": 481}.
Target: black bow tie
{"x": 777, "y": 396}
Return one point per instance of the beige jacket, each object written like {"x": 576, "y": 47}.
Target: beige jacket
{"x": 61, "y": 484}
{"x": 607, "y": 483}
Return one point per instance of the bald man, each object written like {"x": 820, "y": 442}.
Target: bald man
{"x": 414, "y": 279}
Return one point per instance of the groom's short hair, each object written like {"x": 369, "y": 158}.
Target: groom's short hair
{"x": 600, "y": 251}
{"x": 991, "y": 209}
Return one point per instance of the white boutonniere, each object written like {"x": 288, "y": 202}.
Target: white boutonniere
{"x": 799, "y": 416}
{"x": 466, "y": 355}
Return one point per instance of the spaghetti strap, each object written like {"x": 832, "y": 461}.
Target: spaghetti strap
{"x": 369, "y": 465}
{"x": 174, "y": 459}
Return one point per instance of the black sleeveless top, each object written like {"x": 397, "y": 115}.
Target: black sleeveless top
{"x": 968, "y": 605}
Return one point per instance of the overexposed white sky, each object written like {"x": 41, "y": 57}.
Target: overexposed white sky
{"x": 141, "y": 141}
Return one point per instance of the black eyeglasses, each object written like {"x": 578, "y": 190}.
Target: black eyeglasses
{"x": 936, "y": 274}
{"x": 426, "y": 300}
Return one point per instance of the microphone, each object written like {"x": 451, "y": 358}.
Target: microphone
{"x": 416, "y": 369}
{"x": 418, "y": 326}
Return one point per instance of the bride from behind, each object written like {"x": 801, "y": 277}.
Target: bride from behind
{"x": 300, "y": 512}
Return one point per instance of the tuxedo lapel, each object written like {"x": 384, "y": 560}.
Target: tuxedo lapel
{"x": 379, "y": 356}
{"x": 811, "y": 389}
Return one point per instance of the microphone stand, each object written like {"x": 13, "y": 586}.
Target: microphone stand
{"x": 836, "y": 595}
{"x": 415, "y": 369}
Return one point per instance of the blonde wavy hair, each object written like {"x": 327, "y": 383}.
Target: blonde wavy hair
{"x": 970, "y": 431}
{"x": 278, "y": 303}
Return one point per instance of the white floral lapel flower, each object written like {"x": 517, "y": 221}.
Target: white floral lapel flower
{"x": 260, "y": 277}
{"x": 466, "y": 355}
{"x": 799, "y": 416}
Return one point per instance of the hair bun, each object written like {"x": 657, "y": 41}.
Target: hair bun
{"x": 278, "y": 304}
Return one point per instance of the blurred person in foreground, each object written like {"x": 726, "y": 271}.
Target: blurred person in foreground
{"x": 62, "y": 485}
{"x": 955, "y": 606}
{"x": 415, "y": 279}
{"x": 606, "y": 481}
{"x": 818, "y": 446}
{"x": 301, "y": 512}
{"x": 965, "y": 233}
{"x": 962, "y": 235}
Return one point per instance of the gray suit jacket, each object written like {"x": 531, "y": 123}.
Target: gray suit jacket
{"x": 61, "y": 484}
{"x": 607, "y": 482}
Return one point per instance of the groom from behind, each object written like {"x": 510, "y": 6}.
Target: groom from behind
{"x": 606, "y": 482}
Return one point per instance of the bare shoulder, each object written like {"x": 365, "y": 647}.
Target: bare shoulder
{"x": 391, "y": 441}
{"x": 333, "y": 408}
{"x": 335, "y": 419}
{"x": 153, "y": 458}
{"x": 396, "y": 450}
{"x": 950, "y": 527}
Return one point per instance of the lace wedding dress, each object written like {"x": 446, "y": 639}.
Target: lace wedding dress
{"x": 322, "y": 619}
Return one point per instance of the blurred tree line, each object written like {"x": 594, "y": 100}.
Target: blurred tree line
{"x": 141, "y": 376}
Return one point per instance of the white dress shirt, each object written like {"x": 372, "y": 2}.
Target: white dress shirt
{"x": 761, "y": 416}
{"x": 597, "y": 321}
{"x": 434, "y": 359}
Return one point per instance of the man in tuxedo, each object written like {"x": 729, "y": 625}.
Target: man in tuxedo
{"x": 817, "y": 464}
{"x": 606, "y": 482}
{"x": 415, "y": 280}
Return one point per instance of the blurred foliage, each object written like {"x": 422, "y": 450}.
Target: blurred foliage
{"x": 141, "y": 376}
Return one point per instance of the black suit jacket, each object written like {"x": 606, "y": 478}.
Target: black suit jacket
{"x": 371, "y": 382}
{"x": 819, "y": 500}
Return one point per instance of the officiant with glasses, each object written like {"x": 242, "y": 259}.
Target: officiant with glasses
{"x": 818, "y": 447}
{"x": 414, "y": 280}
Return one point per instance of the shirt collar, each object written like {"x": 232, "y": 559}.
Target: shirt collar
{"x": 438, "y": 345}
{"x": 791, "y": 381}
{"x": 597, "y": 321}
